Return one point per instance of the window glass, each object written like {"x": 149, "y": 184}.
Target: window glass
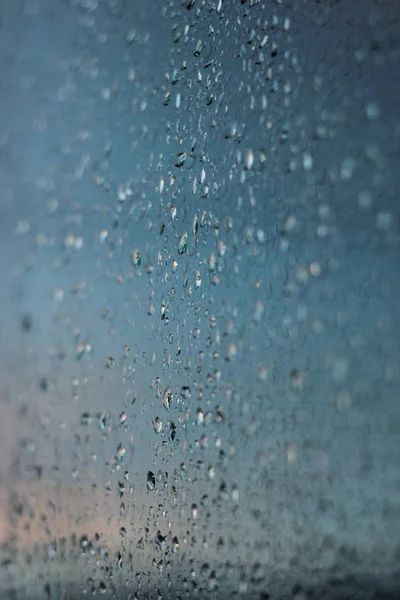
{"x": 200, "y": 282}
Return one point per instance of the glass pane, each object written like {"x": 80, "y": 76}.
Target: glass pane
{"x": 200, "y": 274}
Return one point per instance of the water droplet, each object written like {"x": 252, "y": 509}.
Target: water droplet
{"x": 161, "y": 541}
{"x": 307, "y": 161}
{"x": 172, "y": 432}
{"x": 85, "y": 419}
{"x": 163, "y": 309}
{"x": 167, "y": 398}
{"x": 198, "y": 49}
{"x": 197, "y": 279}
{"x": 195, "y": 225}
{"x": 258, "y": 312}
{"x": 110, "y": 362}
{"x": 297, "y": 377}
{"x": 262, "y": 372}
{"x": 158, "y": 425}
{"x": 372, "y": 111}
{"x": 182, "y": 244}
{"x": 208, "y": 417}
{"x": 221, "y": 251}
{"x": 130, "y": 37}
{"x": 102, "y": 587}
{"x": 231, "y": 352}
{"x": 181, "y": 158}
{"x": 151, "y": 481}
{"x": 120, "y": 452}
{"x": 199, "y": 417}
{"x": 235, "y": 493}
{"x": 80, "y": 351}
{"x": 212, "y": 262}
{"x": 249, "y": 160}
{"x": 175, "y": 544}
{"x": 215, "y": 280}
{"x": 136, "y": 258}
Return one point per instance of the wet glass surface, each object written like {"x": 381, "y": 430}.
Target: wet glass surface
{"x": 200, "y": 282}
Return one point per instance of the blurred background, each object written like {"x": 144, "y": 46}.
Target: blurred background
{"x": 200, "y": 282}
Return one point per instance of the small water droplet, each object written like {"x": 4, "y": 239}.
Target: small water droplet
{"x": 136, "y": 258}
{"x": 158, "y": 425}
{"x": 172, "y": 432}
{"x": 161, "y": 541}
{"x": 195, "y": 225}
{"x": 151, "y": 481}
{"x": 120, "y": 452}
{"x": 197, "y": 279}
{"x": 110, "y": 362}
{"x": 185, "y": 392}
{"x": 86, "y": 419}
{"x": 249, "y": 160}
{"x": 181, "y": 158}
{"x": 175, "y": 544}
{"x": 182, "y": 244}
{"x": 167, "y": 398}
{"x": 199, "y": 417}
{"x": 198, "y": 49}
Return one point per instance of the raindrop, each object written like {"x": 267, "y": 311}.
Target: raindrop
{"x": 249, "y": 160}
{"x": 151, "y": 481}
{"x": 197, "y": 279}
{"x": 258, "y": 312}
{"x": 161, "y": 541}
{"x": 120, "y": 452}
{"x": 185, "y": 392}
{"x": 172, "y": 432}
{"x": 199, "y": 417}
{"x": 85, "y": 419}
{"x": 136, "y": 258}
{"x": 195, "y": 225}
{"x": 181, "y": 158}
{"x": 198, "y": 49}
{"x": 235, "y": 493}
{"x": 182, "y": 244}
{"x": 110, "y": 362}
{"x": 167, "y": 398}
{"x": 158, "y": 425}
{"x": 175, "y": 544}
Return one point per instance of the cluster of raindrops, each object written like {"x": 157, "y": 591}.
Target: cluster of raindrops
{"x": 205, "y": 223}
